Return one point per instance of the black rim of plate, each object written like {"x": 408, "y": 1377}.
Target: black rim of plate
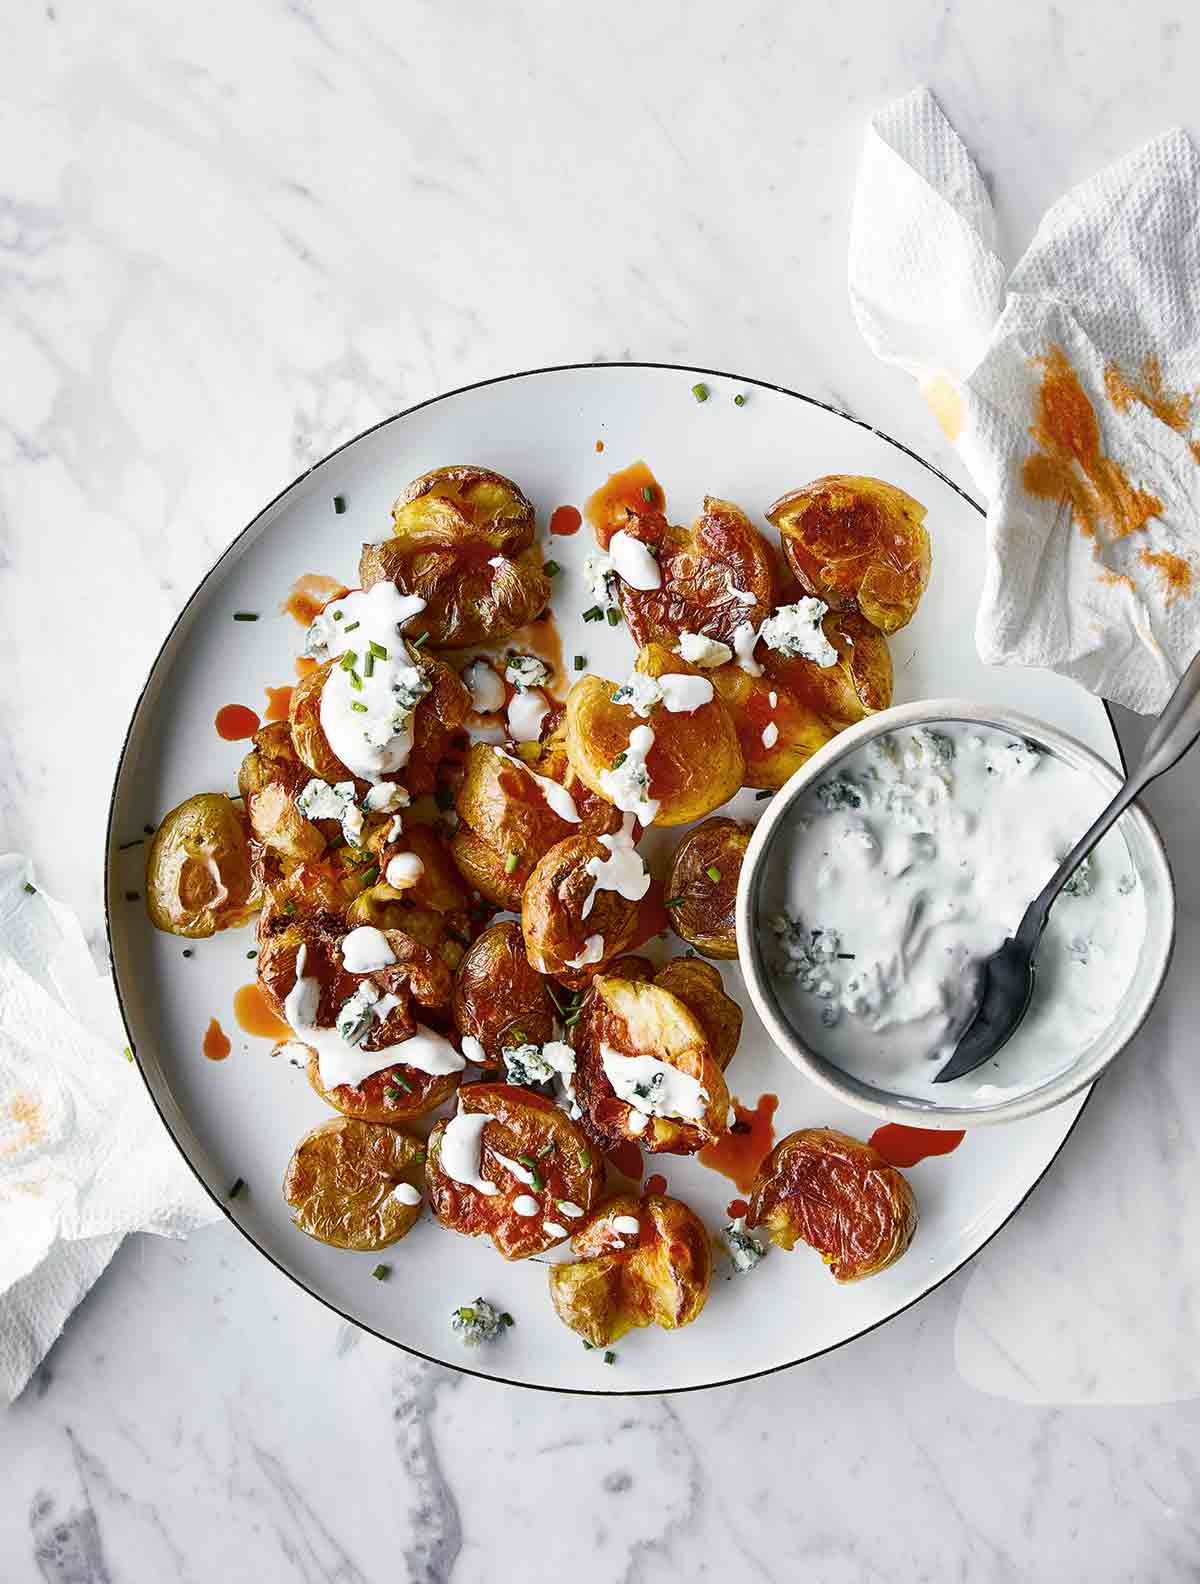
{"x": 110, "y": 849}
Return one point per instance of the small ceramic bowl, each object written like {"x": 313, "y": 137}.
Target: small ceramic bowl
{"x": 755, "y": 938}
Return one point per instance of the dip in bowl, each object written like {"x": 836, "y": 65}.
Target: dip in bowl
{"x": 896, "y": 860}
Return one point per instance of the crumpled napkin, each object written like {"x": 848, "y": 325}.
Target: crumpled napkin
{"x": 1072, "y": 378}
{"x": 83, "y": 1156}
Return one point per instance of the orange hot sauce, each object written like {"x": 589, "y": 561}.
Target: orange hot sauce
{"x": 309, "y": 595}
{"x": 905, "y": 1146}
{"x": 256, "y": 1015}
{"x": 566, "y": 520}
{"x": 216, "y": 1042}
{"x": 620, "y": 494}
{"x": 739, "y": 1153}
{"x": 235, "y": 722}
{"x": 279, "y": 701}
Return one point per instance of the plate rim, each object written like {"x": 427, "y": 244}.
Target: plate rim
{"x": 110, "y": 849}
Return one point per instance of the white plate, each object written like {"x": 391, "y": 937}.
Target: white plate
{"x": 242, "y": 1117}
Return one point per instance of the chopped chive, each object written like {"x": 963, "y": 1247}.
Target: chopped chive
{"x": 339, "y": 504}
{"x": 593, "y": 613}
{"x": 138, "y": 841}
{"x": 580, "y": 662}
{"x": 30, "y": 888}
{"x": 510, "y": 863}
{"x": 245, "y": 615}
{"x": 350, "y": 626}
{"x": 337, "y": 615}
{"x": 349, "y": 660}
{"x": 587, "y": 1346}
{"x": 585, "y": 1158}
{"x": 506, "y": 1319}
{"x": 251, "y": 955}
{"x": 187, "y": 951}
{"x": 570, "y": 1022}
{"x": 361, "y": 708}
{"x": 356, "y": 681}
{"x": 700, "y": 392}
{"x": 528, "y": 1162}
{"x": 377, "y": 649}
{"x": 128, "y": 1054}
{"x": 133, "y": 896}
{"x": 614, "y": 616}
{"x": 619, "y": 760}
{"x": 713, "y": 873}
{"x": 547, "y": 1149}
{"x": 551, "y": 568}
{"x": 739, "y": 400}
{"x": 420, "y": 639}
{"x": 765, "y": 793}
{"x": 239, "y": 1184}
{"x": 557, "y": 1003}
{"x": 648, "y": 494}
{"x": 381, "y": 1272}
{"x": 674, "y": 902}
{"x": 846, "y": 956}
{"x": 610, "y": 1358}
{"x": 398, "y": 1083}
{"x": 371, "y": 875}
{"x": 368, "y": 665}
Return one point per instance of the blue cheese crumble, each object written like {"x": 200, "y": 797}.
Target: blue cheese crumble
{"x": 526, "y": 671}
{"x": 795, "y": 630}
{"x": 479, "y": 1322}
{"x": 745, "y": 1250}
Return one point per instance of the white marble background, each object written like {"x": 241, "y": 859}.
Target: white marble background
{"x": 233, "y": 234}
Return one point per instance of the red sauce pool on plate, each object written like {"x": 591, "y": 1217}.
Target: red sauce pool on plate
{"x": 235, "y": 722}
{"x": 309, "y": 595}
{"x": 256, "y": 1015}
{"x": 566, "y": 520}
{"x": 216, "y": 1042}
{"x": 736, "y": 1208}
{"x": 739, "y": 1153}
{"x": 279, "y": 701}
{"x": 656, "y": 1184}
{"x": 626, "y": 1158}
{"x": 905, "y": 1146}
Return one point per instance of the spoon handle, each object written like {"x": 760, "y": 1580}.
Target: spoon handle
{"x": 1175, "y": 731}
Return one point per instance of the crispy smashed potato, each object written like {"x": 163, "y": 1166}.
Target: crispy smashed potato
{"x": 556, "y": 929}
{"x": 716, "y": 575}
{"x": 702, "y": 990}
{"x": 556, "y": 1168}
{"x": 499, "y": 997}
{"x": 838, "y": 1195}
{"x": 199, "y": 876}
{"x": 341, "y": 1183}
{"x": 694, "y": 764}
{"x": 701, "y": 907}
{"x": 659, "y": 1275}
{"x": 858, "y": 544}
{"x": 270, "y": 776}
{"x": 463, "y": 542}
{"x": 626, "y": 1020}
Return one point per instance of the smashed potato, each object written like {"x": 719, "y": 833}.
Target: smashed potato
{"x": 657, "y": 1274}
{"x": 702, "y": 885}
{"x": 463, "y": 542}
{"x": 646, "y": 1066}
{"x": 199, "y": 877}
{"x": 499, "y": 997}
{"x": 694, "y": 763}
{"x": 269, "y": 779}
{"x": 838, "y": 1195}
{"x": 858, "y": 544}
{"x": 702, "y": 990}
{"x": 562, "y": 940}
{"x": 355, "y": 1185}
{"x": 556, "y": 1180}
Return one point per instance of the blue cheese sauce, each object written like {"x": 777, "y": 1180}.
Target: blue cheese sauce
{"x": 908, "y": 866}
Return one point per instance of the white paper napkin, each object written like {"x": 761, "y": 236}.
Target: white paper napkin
{"x": 1108, "y": 294}
{"x": 83, "y": 1156}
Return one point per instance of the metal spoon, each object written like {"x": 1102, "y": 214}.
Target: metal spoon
{"x": 1007, "y": 975}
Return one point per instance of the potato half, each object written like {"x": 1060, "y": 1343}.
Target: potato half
{"x": 199, "y": 877}
{"x": 702, "y": 885}
{"x": 342, "y": 1182}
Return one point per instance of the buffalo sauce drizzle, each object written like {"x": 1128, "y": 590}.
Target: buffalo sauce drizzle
{"x": 542, "y": 638}
{"x": 739, "y": 1153}
{"x": 279, "y": 702}
{"x": 256, "y": 1015}
{"x": 235, "y": 722}
{"x": 216, "y": 1042}
{"x": 626, "y": 1158}
{"x": 566, "y": 520}
{"x": 655, "y": 1184}
{"x": 621, "y": 495}
{"x": 905, "y": 1146}
{"x": 309, "y": 595}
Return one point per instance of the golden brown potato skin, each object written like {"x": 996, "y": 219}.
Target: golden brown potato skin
{"x": 695, "y": 763}
{"x": 523, "y": 1124}
{"x": 661, "y": 1277}
{"x": 701, "y": 909}
{"x": 448, "y": 527}
{"x": 639, "y": 1018}
{"x": 499, "y": 998}
{"x": 552, "y": 919}
{"x": 199, "y": 876}
{"x": 341, "y": 1181}
{"x": 702, "y": 990}
{"x": 838, "y": 1195}
{"x": 270, "y": 776}
{"x": 858, "y": 544}
{"x": 701, "y": 566}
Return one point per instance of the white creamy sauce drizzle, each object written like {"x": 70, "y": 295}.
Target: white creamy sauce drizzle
{"x": 365, "y": 950}
{"x": 910, "y": 864}
{"x": 593, "y": 951}
{"x": 622, "y": 871}
{"x": 340, "y": 1060}
{"x": 403, "y": 871}
{"x": 628, "y": 1226}
{"x": 369, "y": 726}
{"x": 568, "y": 1208}
{"x": 770, "y": 735}
{"x": 521, "y": 1173}
{"x": 406, "y": 1194}
{"x": 745, "y": 636}
{"x": 679, "y": 693}
{"x": 553, "y": 1228}
{"x": 473, "y": 1050}
{"x": 628, "y": 786}
{"x": 385, "y": 797}
{"x": 461, "y": 1151}
{"x": 633, "y": 562}
{"x": 558, "y": 799}
{"x": 637, "y": 1122}
{"x": 485, "y": 687}
{"x": 699, "y": 650}
{"x": 396, "y": 829}
{"x": 526, "y": 712}
{"x": 653, "y": 1087}
{"x": 526, "y": 1205}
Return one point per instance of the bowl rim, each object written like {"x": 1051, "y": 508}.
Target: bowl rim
{"x": 824, "y": 1074}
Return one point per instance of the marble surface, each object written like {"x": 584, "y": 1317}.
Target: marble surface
{"x": 233, "y": 235}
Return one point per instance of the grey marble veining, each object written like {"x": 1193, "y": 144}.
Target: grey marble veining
{"x": 231, "y": 236}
